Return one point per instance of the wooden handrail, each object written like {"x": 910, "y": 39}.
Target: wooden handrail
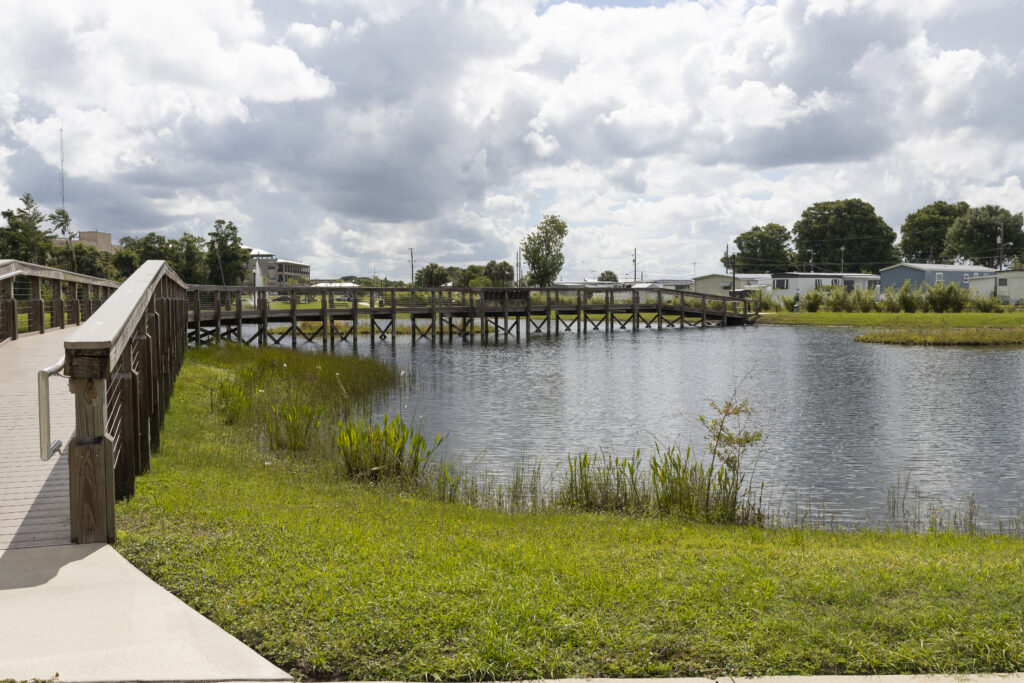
{"x": 84, "y": 295}
{"x": 122, "y": 364}
{"x": 109, "y": 329}
{"x": 11, "y": 268}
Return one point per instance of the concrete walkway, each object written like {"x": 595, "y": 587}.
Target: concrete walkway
{"x": 34, "y": 499}
{"x": 84, "y": 613}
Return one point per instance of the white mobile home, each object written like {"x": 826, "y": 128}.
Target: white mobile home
{"x": 1008, "y": 285}
{"x": 788, "y": 284}
{"x": 719, "y": 284}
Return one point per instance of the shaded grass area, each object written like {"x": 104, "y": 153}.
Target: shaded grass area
{"x": 330, "y": 578}
{"x": 957, "y": 336}
{"x": 1010, "y": 319}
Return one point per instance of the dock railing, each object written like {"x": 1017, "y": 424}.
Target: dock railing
{"x": 122, "y": 364}
{"x": 35, "y": 298}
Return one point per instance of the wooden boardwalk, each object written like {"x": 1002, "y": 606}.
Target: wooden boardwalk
{"x": 34, "y": 498}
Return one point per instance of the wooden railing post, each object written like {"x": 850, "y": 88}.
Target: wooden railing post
{"x": 36, "y": 322}
{"x": 9, "y": 308}
{"x": 57, "y": 305}
{"x": 90, "y": 462}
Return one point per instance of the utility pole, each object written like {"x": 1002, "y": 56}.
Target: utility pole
{"x": 999, "y": 246}
{"x": 842, "y": 268}
{"x": 730, "y": 262}
{"x": 634, "y": 264}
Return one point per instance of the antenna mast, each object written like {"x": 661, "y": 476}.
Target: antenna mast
{"x": 62, "y": 164}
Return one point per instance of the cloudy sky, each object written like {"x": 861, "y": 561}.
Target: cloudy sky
{"x": 344, "y": 132}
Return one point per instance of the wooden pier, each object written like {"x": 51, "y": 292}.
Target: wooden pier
{"x": 338, "y": 315}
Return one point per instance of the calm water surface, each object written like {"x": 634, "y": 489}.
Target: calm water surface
{"x": 841, "y": 419}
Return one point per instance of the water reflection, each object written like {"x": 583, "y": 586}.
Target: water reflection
{"x": 841, "y": 419}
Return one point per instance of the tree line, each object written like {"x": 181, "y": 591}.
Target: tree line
{"x": 542, "y": 251}
{"x": 47, "y": 239}
{"x": 848, "y": 235}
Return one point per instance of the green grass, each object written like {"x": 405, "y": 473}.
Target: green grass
{"x": 1012, "y": 319}
{"x": 334, "y": 579}
{"x": 957, "y": 336}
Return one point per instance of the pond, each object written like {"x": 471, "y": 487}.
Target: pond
{"x": 843, "y": 421}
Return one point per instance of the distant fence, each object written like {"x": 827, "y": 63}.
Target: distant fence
{"x": 35, "y": 298}
{"x": 122, "y": 363}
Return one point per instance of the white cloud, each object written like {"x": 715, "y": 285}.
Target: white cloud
{"x": 344, "y": 132}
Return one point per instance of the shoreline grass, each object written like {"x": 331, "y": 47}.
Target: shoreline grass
{"x": 946, "y": 337}
{"x": 336, "y": 579}
{"x": 967, "y": 320}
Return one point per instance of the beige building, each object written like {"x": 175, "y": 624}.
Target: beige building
{"x": 1008, "y": 285}
{"x": 94, "y": 238}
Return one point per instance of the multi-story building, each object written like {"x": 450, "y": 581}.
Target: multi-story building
{"x": 266, "y": 270}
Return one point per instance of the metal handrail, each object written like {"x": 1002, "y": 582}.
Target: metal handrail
{"x": 46, "y": 447}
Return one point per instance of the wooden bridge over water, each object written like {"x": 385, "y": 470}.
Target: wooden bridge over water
{"x": 336, "y": 315}
{"x": 120, "y": 347}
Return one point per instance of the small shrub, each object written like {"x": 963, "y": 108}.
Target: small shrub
{"x": 813, "y": 300}
{"x": 838, "y": 300}
{"x": 788, "y": 302}
{"x": 986, "y": 304}
{"x": 863, "y": 300}
{"x": 911, "y": 299}
{"x": 382, "y": 450}
{"x": 891, "y": 300}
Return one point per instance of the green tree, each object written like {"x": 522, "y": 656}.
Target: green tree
{"x": 846, "y": 234}
{"x": 149, "y": 247}
{"x": 501, "y": 274}
{"x": 87, "y": 260}
{"x": 226, "y": 260}
{"x": 25, "y": 237}
{"x": 468, "y": 274}
{"x": 187, "y": 255}
{"x": 608, "y": 276}
{"x": 125, "y": 260}
{"x": 762, "y": 249}
{"x": 431, "y": 275}
{"x": 542, "y": 250}
{"x": 923, "y": 235}
{"x": 975, "y": 236}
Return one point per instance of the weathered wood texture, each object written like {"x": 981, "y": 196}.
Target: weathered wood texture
{"x": 123, "y": 362}
{"x": 505, "y": 311}
{"x": 37, "y": 298}
{"x": 34, "y": 502}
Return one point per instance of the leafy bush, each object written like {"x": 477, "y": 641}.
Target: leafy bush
{"x": 788, "y": 302}
{"x": 813, "y": 300}
{"x": 891, "y": 300}
{"x": 948, "y": 297}
{"x": 863, "y": 300}
{"x": 986, "y": 304}
{"x": 910, "y": 298}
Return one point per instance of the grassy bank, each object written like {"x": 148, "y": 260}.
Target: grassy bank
{"x": 971, "y": 320}
{"x": 332, "y": 578}
{"x": 946, "y": 337}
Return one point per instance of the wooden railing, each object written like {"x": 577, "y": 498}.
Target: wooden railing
{"x": 34, "y": 298}
{"x": 122, "y": 363}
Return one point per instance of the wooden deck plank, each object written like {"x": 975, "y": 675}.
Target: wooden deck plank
{"x": 34, "y": 500}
